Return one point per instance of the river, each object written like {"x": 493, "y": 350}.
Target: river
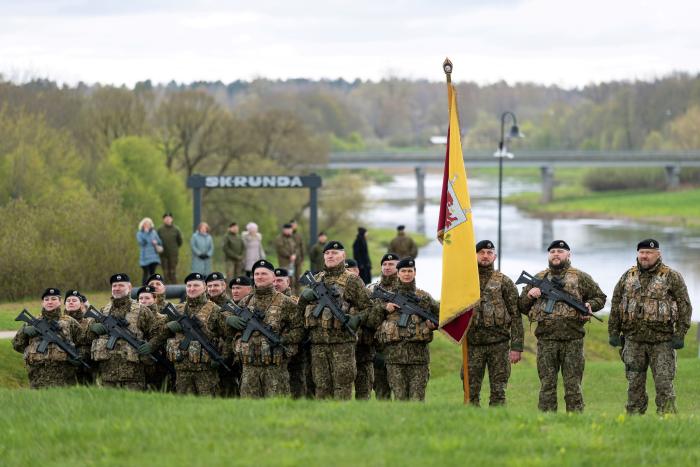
{"x": 603, "y": 248}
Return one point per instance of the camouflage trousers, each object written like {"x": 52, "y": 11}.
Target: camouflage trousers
{"x": 51, "y": 374}
{"x": 567, "y": 356}
{"x": 408, "y": 382}
{"x": 169, "y": 266}
{"x": 382, "y": 391}
{"x": 494, "y": 357}
{"x": 120, "y": 373}
{"x": 364, "y": 362}
{"x": 300, "y": 380}
{"x": 158, "y": 378}
{"x": 333, "y": 369}
{"x": 201, "y": 383}
{"x": 661, "y": 358}
{"x": 265, "y": 381}
{"x": 230, "y": 381}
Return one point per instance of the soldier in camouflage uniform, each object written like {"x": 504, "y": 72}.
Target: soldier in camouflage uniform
{"x": 53, "y": 367}
{"x": 74, "y": 303}
{"x": 496, "y": 333}
{"x": 123, "y": 366}
{"x": 560, "y": 333}
{"x": 316, "y": 253}
{"x": 406, "y": 349}
{"x": 364, "y": 350}
{"x": 402, "y": 244}
{"x": 158, "y": 378}
{"x": 240, "y": 287}
{"x": 265, "y": 372}
{"x": 388, "y": 281}
{"x": 332, "y": 346}
{"x": 650, "y": 313}
{"x": 352, "y": 267}
{"x": 157, "y": 283}
{"x": 228, "y": 380}
{"x": 195, "y": 371}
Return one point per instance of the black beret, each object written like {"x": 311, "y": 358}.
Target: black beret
{"x": 240, "y": 280}
{"x": 406, "y": 263}
{"x": 263, "y": 263}
{"x": 73, "y": 293}
{"x": 83, "y": 298}
{"x": 146, "y": 289}
{"x": 350, "y": 263}
{"x": 287, "y": 226}
{"x": 648, "y": 244}
{"x": 120, "y": 277}
{"x": 168, "y": 214}
{"x": 215, "y": 276}
{"x": 50, "y": 292}
{"x": 559, "y": 244}
{"x": 333, "y": 245}
{"x": 281, "y": 272}
{"x": 389, "y": 257}
{"x": 487, "y": 244}
{"x": 400, "y": 227}
{"x": 155, "y": 277}
{"x": 194, "y": 276}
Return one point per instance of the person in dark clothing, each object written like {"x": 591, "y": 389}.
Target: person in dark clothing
{"x": 361, "y": 254}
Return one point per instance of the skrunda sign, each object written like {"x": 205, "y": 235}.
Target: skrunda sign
{"x": 252, "y": 181}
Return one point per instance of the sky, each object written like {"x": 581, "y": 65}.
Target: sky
{"x": 559, "y": 42}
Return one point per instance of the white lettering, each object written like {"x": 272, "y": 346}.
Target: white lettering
{"x": 211, "y": 182}
{"x": 296, "y": 181}
{"x": 254, "y": 182}
{"x": 240, "y": 182}
{"x": 269, "y": 181}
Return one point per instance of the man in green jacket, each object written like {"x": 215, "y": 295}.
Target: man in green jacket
{"x": 171, "y": 237}
{"x": 316, "y": 253}
{"x": 234, "y": 251}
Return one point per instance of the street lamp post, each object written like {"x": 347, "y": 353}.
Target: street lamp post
{"x": 501, "y": 153}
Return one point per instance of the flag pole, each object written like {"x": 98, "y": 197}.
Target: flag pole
{"x": 447, "y": 68}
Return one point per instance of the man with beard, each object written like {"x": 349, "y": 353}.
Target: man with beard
{"x": 496, "y": 333}
{"x": 649, "y": 318}
{"x": 560, "y": 333}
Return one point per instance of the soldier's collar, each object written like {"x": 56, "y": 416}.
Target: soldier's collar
{"x": 264, "y": 291}
{"x": 335, "y": 270}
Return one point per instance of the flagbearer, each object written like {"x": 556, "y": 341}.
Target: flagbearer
{"x": 406, "y": 348}
{"x": 496, "y": 332}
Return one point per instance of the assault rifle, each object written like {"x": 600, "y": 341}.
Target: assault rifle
{"x": 554, "y": 294}
{"x": 193, "y": 332}
{"x": 407, "y": 303}
{"x": 327, "y": 298}
{"x": 254, "y": 322}
{"x": 49, "y": 335}
{"x": 118, "y": 328}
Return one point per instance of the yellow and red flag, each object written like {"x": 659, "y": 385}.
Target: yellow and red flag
{"x": 460, "y": 276}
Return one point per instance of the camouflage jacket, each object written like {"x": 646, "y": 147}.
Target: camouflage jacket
{"x": 496, "y": 318}
{"x": 650, "y": 305}
{"x": 564, "y": 323}
{"x": 66, "y": 327}
{"x": 403, "y": 246}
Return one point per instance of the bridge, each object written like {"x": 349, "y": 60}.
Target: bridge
{"x": 545, "y": 160}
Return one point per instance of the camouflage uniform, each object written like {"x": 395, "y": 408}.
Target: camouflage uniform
{"x": 122, "y": 366}
{"x": 365, "y": 353}
{"x": 195, "y": 371}
{"x": 158, "y": 377}
{"x": 403, "y": 246}
{"x": 265, "y": 372}
{"x": 560, "y": 335}
{"x": 495, "y": 329}
{"x": 229, "y": 381}
{"x": 51, "y": 368}
{"x": 651, "y": 308}
{"x": 406, "y": 349}
{"x": 332, "y": 346}
{"x": 380, "y": 382}
{"x": 85, "y": 375}
{"x": 299, "y": 365}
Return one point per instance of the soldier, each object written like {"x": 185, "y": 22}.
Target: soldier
{"x": 286, "y": 248}
{"x": 316, "y": 253}
{"x": 234, "y": 252}
{"x": 332, "y": 346}
{"x": 195, "y": 371}
{"x": 649, "y": 317}
{"x": 300, "y": 249}
{"x": 216, "y": 288}
{"x": 146, "y": 296}
{"x": 402, "y": 244}
{"x": 351, "y": 267}
{"x": 265, "y": 372}
{"x": 171, "y": 237}
{"x": 240, "y": 287}
{"x": 496, "y": 333}
{"x": 157, "y": 376}
{"x": 122, "y": 366}
{"x": 74, "y": 303}
{"x": 406, "y": 349}
{"x": 157, "y": 283}
{"x": 228, "y": 380}
{"x": 53, "y": 367}
{"x": 560, "y": 333}
{"x": 388, "y": 281}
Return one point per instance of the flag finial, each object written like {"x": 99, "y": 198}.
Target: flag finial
{"x": 447, "y": 67}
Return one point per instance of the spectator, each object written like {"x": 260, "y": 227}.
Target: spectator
{"x": 150, "y": 246}
{"x": 253, "y": 246}
{"x": 202, "y": 249}
{"x": 234, "y": 252}
{"x": 171, "y": 237}
{"x": 361, "y": 255}
{"x": 402, "y": 244}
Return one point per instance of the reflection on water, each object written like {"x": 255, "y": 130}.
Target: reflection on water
{"x": 602, "y": 247}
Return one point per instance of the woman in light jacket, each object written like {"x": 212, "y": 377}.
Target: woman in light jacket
{"x": 202, "y": 249}
{"x": 253, "y": 246}
{"x": 149, "y": 244}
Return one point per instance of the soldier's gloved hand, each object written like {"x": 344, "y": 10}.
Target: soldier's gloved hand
{"x": 174, "y": 326}
{"x": 615, "y": 341}
{"x": 30, "y": 331}
{"x": 677, "y": 343}
{"x": 354, "y": 322}
{"x": 236, "y": 322}
{"x": 145, "y": 349}
{"x": 309, "y": 295}
{"x": 98, "y": 328}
